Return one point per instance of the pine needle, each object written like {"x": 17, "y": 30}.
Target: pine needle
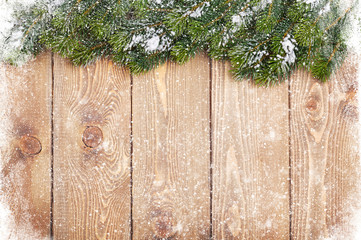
{"x": 338, "y": 19}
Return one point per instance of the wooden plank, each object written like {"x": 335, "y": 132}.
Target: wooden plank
{"x": 171, "y": 152}
{"x": 250, "y": 158}
{"x": 324, "y": 154}
{"x": 25, "y": 149}
{"x": 91, "y": 151}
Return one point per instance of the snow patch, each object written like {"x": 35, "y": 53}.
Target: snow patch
{"x": 268, "y": 223}
{"x": 7, "y": 9}
{"x": 353, "y": 31}
{"x": 353, "y": 39}
{"x": 257, "y": 56}
{"x": 241, "y": 18}
{"x": 198, "y": 12}
{"x": 6, "y": 221}
{"x": 10, "y": 41}
{"x": 312, "y": 2}
{"x": 261, "y": 5}
{"x": 152, "y": 43}
{"x": 325, "y": 9}
{"x": 289, "y": 46}
{"x": 272, "y": 134}
{"x": 53, "y": 4}
{"x": 11, "y": 228}
{"x": 236, "y": 19}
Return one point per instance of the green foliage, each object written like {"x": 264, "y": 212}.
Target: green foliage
{"x": 320, "y": 69}
{"x": 263, "y": 39}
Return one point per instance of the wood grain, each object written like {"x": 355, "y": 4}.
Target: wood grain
{"x": 25, "y": 149}
{"x": 324, "y": 154}
{"x": 91, "y": 151}
{"x": 250, "y": 158}
{"x": 171, "y": 152}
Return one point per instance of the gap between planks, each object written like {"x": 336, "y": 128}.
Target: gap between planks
{"x": 210, "y": 152}
{"x": 289, "y": 158}
{"x": 131, "y": 157}
{"x": 52, "y": 150}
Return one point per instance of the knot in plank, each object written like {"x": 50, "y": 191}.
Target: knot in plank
{"x": 30, "y": 145}
{"x": 92, "y": 136}
{"x": 314, "y": 103}
{"x": 162, "y": 224}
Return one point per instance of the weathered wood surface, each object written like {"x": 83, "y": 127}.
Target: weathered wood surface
{"x": 25, "y": 149}
{"x": 250, "y": 158}
{"x": 171, "y": 194}
{"x": 92, "y": 108}
{"x": 324, "y": 154}
{"x": 209, "y": 157}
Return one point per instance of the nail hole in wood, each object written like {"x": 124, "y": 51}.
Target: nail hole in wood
{"x": 92, "y": 136}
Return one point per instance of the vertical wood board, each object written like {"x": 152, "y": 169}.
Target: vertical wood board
{"x": 324, "y": 154}
{"x": 25, "y": 149}
{"x": 91, "y": 151}
{"x": 171, "y": 152}
{"x": 250, "y": 158}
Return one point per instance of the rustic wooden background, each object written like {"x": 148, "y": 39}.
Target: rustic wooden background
{"x": 182, "y": 152}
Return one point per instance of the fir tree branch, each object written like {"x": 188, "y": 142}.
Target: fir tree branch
{"x": 333, "y": 52}
{"x": 288, "y": 30}
{"x": 86, "y": 30}
{"x": 98, "y": 46}
{"x": 193, "y": 9}
{"x": 221, "y": 32}
{"x": 222, "y": 15}
{"x": 149, "y": 26}
{"x": 218, "y": 18}
{"x": 270, "y": 9}
{"x": 105, "y": 14}
{"x": 198, "y": 5}
{"x": 263, "y": 57}
{"x": 228, "y": 1}
{"x": 91, "y": 7}
{"x": 260, "y": 44}
{"x": 338, "y": 19}
{"x": 159, "y": 9}
{"x": 319, "y": 16}
{"x": 31, "y": 26}
{"x": 75, "y": 5}
{"x": 309, "y": 51}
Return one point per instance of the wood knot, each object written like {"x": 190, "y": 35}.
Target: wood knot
{"x": 312, "y": 105}
{"x": 92, "y": 136}
{"x": 162, "y": 224}
{"x": 30, "y": 145}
